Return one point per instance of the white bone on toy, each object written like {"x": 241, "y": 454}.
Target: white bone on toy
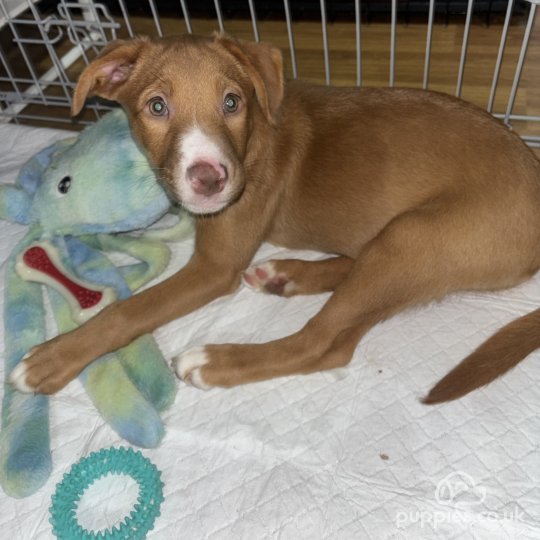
{"x": 40, "y": 262}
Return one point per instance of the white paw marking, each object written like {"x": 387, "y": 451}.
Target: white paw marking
{"x": 257, "y": 277}
{"x": 18, "y": 377}
{"x": 187, "y": 367}
{"x": 252, "y": 276}
{"x": 196, "y": 379}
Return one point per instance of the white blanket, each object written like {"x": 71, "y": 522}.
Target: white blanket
{"x": 348, "y": 454}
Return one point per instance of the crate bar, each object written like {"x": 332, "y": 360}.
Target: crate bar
{"x": 22, "y": 80}
{"x": 358, "y": 36}
{"x": 519, "y": 117}
{"x": 53, "y": 102}
{"x": 429, "y": 37}
{"x": 219, "y": 16}
{"x": 124, "y": 11}
{"x": 60, "y": 22}
{"x": 90, "y": 15}
{"x": 393, "y": 43}
{"x": 49, "y": 76}
{"x": 187, "y": 17}
{"x": 10, "y": 78}
{"x": 89, "y": 18}
{"x": 74, "y": 34}
{"x": 522, "y": 54}
{"x": 22, "y": 50}
{"x": 40, "y": 117}
{"x": 155, "y": 16}
{"x": 464, "y": 46}
{"x": 60, "y": 102}
{"x": 61, "y": 73}
{"x": 532, "y": 141}
{"x": 292, "y": 45}
{"x": 325, "y": 42}
{"x": 502, "y": 45}
{"x": 254, "y": 21}
{"x": 13, "y": 13}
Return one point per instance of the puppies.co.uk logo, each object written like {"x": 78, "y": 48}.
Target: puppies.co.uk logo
{"x": 462, "y": 497}
{"x": 459, "y": 489}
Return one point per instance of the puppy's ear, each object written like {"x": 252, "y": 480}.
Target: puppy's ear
{"x": 106, "y": 75}
{"x": 264, "y": 66}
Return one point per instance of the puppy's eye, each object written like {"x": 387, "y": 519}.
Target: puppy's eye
{"x": 64, "y": 185}
{"x": 157, "y": 107}
{"x": 231, "y": 103}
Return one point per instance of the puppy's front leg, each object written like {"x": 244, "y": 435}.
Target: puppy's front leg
{"x": 214, "y": 270}
{"x": 50, "y": 366}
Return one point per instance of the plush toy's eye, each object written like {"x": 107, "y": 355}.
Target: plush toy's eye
{"x": 157, "y": 106}
{"x": 64, "y": 185}
{"x": 231, "y": 103}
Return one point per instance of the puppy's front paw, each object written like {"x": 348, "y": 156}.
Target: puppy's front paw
{"x": 46, "y": 369}
{"x": 267, "y": 277}
{"x": 18, "y": 377}
{"x": 188, "y": 366}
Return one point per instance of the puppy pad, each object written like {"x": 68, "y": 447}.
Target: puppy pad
{"x": 346, "y": 454}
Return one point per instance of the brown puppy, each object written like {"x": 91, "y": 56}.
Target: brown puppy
{"x": 415, "y": 193}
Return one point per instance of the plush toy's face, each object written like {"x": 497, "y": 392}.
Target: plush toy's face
{"x": 101, "y": 183}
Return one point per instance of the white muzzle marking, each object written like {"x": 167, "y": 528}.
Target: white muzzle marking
{"x": 197, "y": 147}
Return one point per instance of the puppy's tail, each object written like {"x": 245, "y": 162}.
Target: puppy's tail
{"x": 500, "y": 353}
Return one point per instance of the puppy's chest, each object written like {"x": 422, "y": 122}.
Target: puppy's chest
{"x": 296, "y": 226}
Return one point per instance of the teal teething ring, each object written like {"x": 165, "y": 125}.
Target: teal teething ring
{"x": 91, "y": 468}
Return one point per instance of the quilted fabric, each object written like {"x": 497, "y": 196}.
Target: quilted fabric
{"x": 348, "y": 454}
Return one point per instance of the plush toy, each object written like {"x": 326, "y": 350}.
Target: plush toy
{"x": 77, "y": 196}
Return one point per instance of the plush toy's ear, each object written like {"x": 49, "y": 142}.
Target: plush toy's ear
{"x": 106, "y": 75}
{"x": 264, "y": 66}
{"x": 14, "y": 204}
{"x": 31, "y": 174}
{"x": 16, "y": 200}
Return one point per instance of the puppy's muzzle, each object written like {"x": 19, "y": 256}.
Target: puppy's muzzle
{"x": 206, "y": 178}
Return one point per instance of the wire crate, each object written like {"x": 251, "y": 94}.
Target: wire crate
{"x": 485, "y": 52}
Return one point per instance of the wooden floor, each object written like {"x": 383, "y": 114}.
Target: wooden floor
{"x": 411, "y": 42}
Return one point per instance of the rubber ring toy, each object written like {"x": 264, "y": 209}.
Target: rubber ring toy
{"x": 97, "y": 465}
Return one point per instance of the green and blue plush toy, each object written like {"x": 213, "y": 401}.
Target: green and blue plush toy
{"x": 79, "y": 197}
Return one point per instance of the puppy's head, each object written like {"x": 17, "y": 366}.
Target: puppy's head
{"x": 193, "y": 103}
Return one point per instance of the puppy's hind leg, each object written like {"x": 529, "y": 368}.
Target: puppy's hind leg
{"x": 290, "y": 277}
